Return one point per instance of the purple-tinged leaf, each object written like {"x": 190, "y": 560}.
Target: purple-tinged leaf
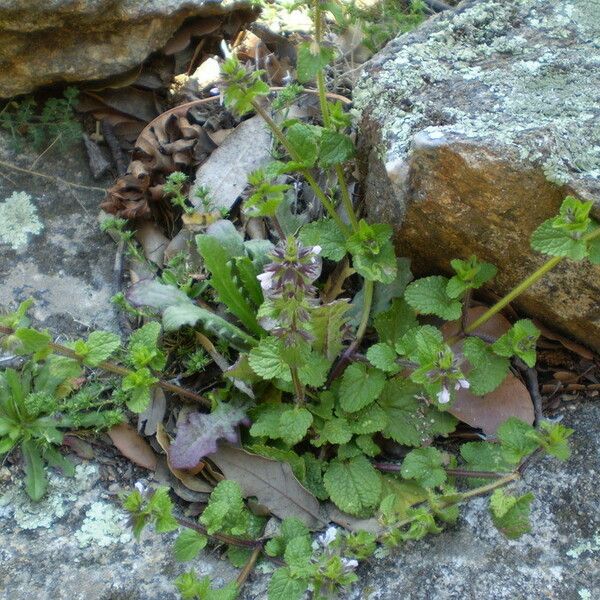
{"x": 197, "y": 436}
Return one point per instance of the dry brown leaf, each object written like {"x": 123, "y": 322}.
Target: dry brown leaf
{"x": 149, "y": 420}
{"x": 567, "y": 343}
{"x": 189, "y": 480}
{"x": 132, "y": 445}
{"x": 130, "y": 101}
{"x": 351, "y": 523}
{"x": 273, "y": 484}
{"x": 510, "y": 399}
{"x": 82, "y": 448}
{"x": 153, "y": 241}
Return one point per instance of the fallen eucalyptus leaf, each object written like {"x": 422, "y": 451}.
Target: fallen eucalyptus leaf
{"x": 272, "y": 482}
{"x": 132, "y": 445}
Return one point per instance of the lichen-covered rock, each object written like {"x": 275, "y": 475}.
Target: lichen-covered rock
{"x": 43, "y": 42}
{"x": 475, "y": 127}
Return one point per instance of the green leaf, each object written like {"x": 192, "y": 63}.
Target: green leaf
{"x": 314, "y": 371}
{"x": 510, "y": 514}
{"x": 138, "y": 385}
{"x": 336, "y": 148}
{"x": 360, "y": 386}
{"x": 354, "y": 486}
{"x": 312, "y": 59}
{"x": 489, "y": 370}
{"x": 216, "y": 260}
{"x": 410, "y": 422}
{"x": 178, "y": 315}
{"x": 226, "y": 511}
{"x": 160, "y": 507}
{"x": 327, "y": 322}
{"x": 520, "y": 340}
{"x": 367, "y": 445}
{"x": 266, "y": 360}
{"x": 383, "y": 357}
{"x": 35, "y": 476}
{"x": 283, "y": 586}
{"x": 470, "y": 274}
{"x": 238, "y": 556}
{"x": 188, "y": 544}
{"x": 428, "y": 296}
{"x": 518, "y": 439}
{"x": 55, "y": 459}
{"x": 553, "y": 438}
{"x": 327, "y": 234}
{"x": 370, "y": 419}
{"x": 32, "y": 340}
{"x": 335, "y": 431}
{"x": 594, "y": 249}
{"x": 392, "y": 324}
{"x": 294, "y": 424}
{"x": 297, "y": 555}
{"x": 484, "y": 456}
{"x": 247, "y": 273}
{"x": 547, "y": 239}
{"x": 101, "y": 345}
{"x": 373, "y": 254}
{"x": 425, "y": 466}
{"x": 304, "y": 139}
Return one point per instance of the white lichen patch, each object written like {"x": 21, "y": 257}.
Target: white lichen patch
{"x": 62, "y": 493}
{"x": 18, "y": 220}
{"x": 518, "y": 75}
{"x": 592, "y": 545}
{"x": 104, "y": 525}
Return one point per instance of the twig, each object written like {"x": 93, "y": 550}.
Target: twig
{"x": 533, "y": 387}
{"x": 112, "y": 367}
{"x": 115, "y": 148}
{"x": 53, "y": 178}
{"x": 245, "y": 572}
{"x": 395, "y": 468}
{"x": 35, "y": 162}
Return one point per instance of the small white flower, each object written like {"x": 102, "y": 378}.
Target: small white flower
{"x": 462, "y": 383}
{"x": 317, "y": 249}
{"x": 266, "y": 280}
{"x": 349, "y": 564}
{"x": 328, "y": 537}
{"x": 140, "y": 487}
{"x": 444, "y": 396}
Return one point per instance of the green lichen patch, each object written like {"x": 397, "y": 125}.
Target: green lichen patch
{"x": 18, "y": 219}
{"x": 104, "y": 525}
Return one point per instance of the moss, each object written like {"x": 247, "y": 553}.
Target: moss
{"x": 18, "y": 219}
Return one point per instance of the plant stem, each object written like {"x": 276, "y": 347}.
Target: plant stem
{"x": 479, "y": 491}
{"x": 328, "y": 205}
{"x": 368, "y": 301}
{"x": 395, "y": 468}
{"x": 112, "y": 367}
{"x": 221, "y": 537}
{"x": 298, "y": 387}
{"x": 245, "y": 572}
{"x": 346, "y": 200}
{"x": 523, "y": 286}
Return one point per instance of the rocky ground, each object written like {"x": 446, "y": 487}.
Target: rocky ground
{"x": 75, "y": 544}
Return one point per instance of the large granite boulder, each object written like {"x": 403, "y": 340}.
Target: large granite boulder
{"x": 475, "y": 127}
{"x": 50, "y": 41}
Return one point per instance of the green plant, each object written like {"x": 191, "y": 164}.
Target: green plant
{"x": 333, "y": 385}
{"x": 56, "y": 123}
{"x": 37, "y": 404}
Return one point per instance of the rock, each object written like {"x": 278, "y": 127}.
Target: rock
{"x": 225, "y": 173}
{"x": 76, "y": 544}
{"x": 72, "y": 41}
{"x": 51, "y": 246}
{"x": 558, "y": 559}
{"x": 475, "y": 127}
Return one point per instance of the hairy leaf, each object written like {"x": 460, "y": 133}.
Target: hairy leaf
{"x": 197, "y": 436}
